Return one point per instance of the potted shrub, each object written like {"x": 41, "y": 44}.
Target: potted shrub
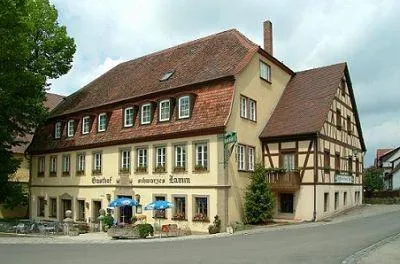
{"x": 215, "y": 227}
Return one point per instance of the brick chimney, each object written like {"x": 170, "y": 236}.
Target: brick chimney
{"x": 268, "y": 36}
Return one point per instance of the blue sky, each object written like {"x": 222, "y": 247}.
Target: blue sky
{"x": 307, "y": 34}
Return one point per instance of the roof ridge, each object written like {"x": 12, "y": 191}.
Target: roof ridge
{"x": 322, "y": 67}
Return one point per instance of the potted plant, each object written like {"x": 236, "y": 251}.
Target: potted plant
{"x": 215, "y": 227}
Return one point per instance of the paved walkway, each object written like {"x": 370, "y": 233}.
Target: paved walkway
{"x": 383, "y": 253}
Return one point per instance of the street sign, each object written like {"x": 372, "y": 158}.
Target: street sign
{"x": 230, "y": 137}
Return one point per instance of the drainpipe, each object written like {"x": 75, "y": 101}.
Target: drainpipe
{"x": 314, "y": 218}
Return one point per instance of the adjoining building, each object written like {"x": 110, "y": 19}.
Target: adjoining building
{"x": 183, "y": 124}
{"x": 389, "y": 161}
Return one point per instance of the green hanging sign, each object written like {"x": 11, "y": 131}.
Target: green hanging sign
{"x": 230, "y": 137}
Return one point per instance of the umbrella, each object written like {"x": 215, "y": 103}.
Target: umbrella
{"x": 120, "y": 202}
{"x": 159, "y": 205}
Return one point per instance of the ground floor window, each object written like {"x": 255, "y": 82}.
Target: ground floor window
{"x": 326, "y": 202}
{"x": 53, "y": 207}
{"x": 357, "y": 197}
{"x": 180, "y": 208}
{"x": 286, "y": 202}
{"x": 40, "y": 206}
{"x": 159, "y": 213}
{"x": 336, "y": 200}
{"x": 81, "y": 210}
{"x": 344, "y": 198}
{"x": 200, "y": 209}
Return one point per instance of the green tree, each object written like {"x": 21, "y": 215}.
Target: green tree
{"x": 33, "y": 49}
{"x": 373, "y": 181}
{"x": 259, "y": 201}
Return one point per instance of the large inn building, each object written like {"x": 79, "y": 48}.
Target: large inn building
{"x": 188, "y": 124}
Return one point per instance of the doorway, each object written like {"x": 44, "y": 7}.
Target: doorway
{"x": 125, "y": 212}
{"x": 66, "y": 204}
{"x": 286, "y": 203}
{"x": 96, "y": 211}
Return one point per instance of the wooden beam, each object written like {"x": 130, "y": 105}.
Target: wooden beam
{"x": 269, "y": 155}
{"x": 306, "y": 160}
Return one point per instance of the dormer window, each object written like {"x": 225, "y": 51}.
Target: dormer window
{"x": 102, "y": 122}
{"x": 265, "y": 71}
{"x": 57, "y": 130}
{"x": 128, "y": 117}
{"x": 70, "y": 128}
{"x": 145, "y": 114}
{"x": 164, "y": 112}
{"x": 166, "y": 76}
{"x": 184, "y": 107}
{"x": 85, "y": 125}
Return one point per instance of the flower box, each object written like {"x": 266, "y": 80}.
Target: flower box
{"x": 160, "y": 169}
{"x": 159, "y": 214}
{"x": 65, "y": 173}
{"x": 179, "y": 216}
{"x": 53, "y": 174}
{"x": 200, "y": 168}
{"x": 200, "y": 218}
{"x": 141, "y": 169}
{"x": 179, "y": 169}
{"x": 124, "y": 170}
{"x": 96, "y": 172}
{"x": 80, "y": 173}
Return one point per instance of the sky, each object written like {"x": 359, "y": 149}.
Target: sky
{"x": 307, "y": 34}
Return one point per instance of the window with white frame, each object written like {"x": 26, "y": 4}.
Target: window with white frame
{"x": 142, "y": 159}
{"x": 66, "y": 162}
{"x": 184, "y": 107}
{"x": 128, "y": 117}
{"x": 165, "y": 110}
{"x": 125, "y": 159}
{"x": 241, "y": 153}
{"x": 57, "y": 130}
{"x": 97, "y": 162}
{"x": 70, "y": 128}
{"x": 160, "y": 158}
{"x": 41, "y": 164}
{"x": 265, "y": 71}
{"x": 85, "y": 125}
{"x": 201, "y": 156}
{"x": 180, "y": 156}
{"x": 243, "y": 107}
{"x": 53, "y": 165}
{"x": 102, "y": 122}
{"x": 250, "y": 156}
{"x": 252, "y": 110}
{"x": 81, "y": 160}
{"x": 145, "y": 114}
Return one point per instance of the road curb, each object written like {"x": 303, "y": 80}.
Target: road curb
{"x": 356, "y": 257}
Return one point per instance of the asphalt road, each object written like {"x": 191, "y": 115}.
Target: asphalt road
{"x": 318, "y": 244}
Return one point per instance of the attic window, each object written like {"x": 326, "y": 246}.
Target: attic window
{"x": 166, "y": 76}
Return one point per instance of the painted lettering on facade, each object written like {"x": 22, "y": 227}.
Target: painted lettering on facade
{"x": 103, "y": 180}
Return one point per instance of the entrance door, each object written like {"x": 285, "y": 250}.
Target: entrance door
{"x": 286, "y": 200}
{"x": 96, "y": 211}
{"x": 125, "y": 212}
{"x": 66, "y": 204}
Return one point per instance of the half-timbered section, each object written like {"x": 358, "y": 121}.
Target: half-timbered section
{"x": 313, "y": 146}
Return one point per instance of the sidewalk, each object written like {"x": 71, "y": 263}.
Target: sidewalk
{"x": 388, "y": 253}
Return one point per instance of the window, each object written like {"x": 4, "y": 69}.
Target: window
{"x": 326, "y": 202}
{"x": 180, "y": 208}
{"x": 53, "y": 165}
{"x": 350, "y": 164}
{"x": 252, "y": 110}
{"x": 145, "y": 114}
{"x": 336, "y": 201}
{"x": 345, "y": 199}
{"x": 53, "y": 207}
{"x": 57, "y": 130}
{"x": 201, "y": 209}
{"x": 125, "y": 160}
{"x": 160, "y": 159}
{"x": 81, "y": 210}
{"x": 338, "y": 119}
{"x": 241, "y": 157}
{"x": 184, "y": 107}
{"x": 250, "y": 155}
{"x": 265, "y": 71}
{"x": 166, "y": 76}
{"x": 349, "y": 130}
{"x": 201, "y": 156}
{"x": 288, "y": 161}
{"x": 70, "y": 128}
{"x": 327, "y": 160}
{"x": 180, "y": 157}
{"x": 142, "y": 160}
{"x": 164, "y": 110}
{"x": 40, "y": 206}
{"x": 81, "y": 160}
{"x": 41, "y": 165}
{"x": 102, "y": 122}
{"x": 343, "y": 87}
{"x": 357, "y": 197}
{"x": 159, "y": 213}
{"x": 66, "y": 164}
{"x": 337, "y": 162}
{"x": 243, "y": 107}
{"x": 128, "y": 117}
{"x": 97, "y": 162}
{"x": 85, "y": 125}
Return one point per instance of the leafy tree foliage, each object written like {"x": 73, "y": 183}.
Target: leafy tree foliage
{"x": 373, "y": 181}
{"x": 260, "y": 202}
{"x": 33, "y": 49}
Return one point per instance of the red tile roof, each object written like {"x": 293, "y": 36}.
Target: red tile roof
{"x": 52, "y": 100}
{"x": 381, "y": 152}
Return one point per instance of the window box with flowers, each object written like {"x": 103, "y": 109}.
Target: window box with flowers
{"x": 124, "y": 170}
{"x": 179, "y": 216}
{"x": 141, "y": 169}
{"x": 179, "y": 169}
{"x": 80, "y": 172}
{"x": 200, "y": 218}
{"x": 65, "y": 173}
{"x": 160, "y": 169}
{"x": 96, "y": 172}
{"x": 200, "y": 168}
{"x": 159, "y": 214}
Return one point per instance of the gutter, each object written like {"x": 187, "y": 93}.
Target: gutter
{"x": 314, "y": 217}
